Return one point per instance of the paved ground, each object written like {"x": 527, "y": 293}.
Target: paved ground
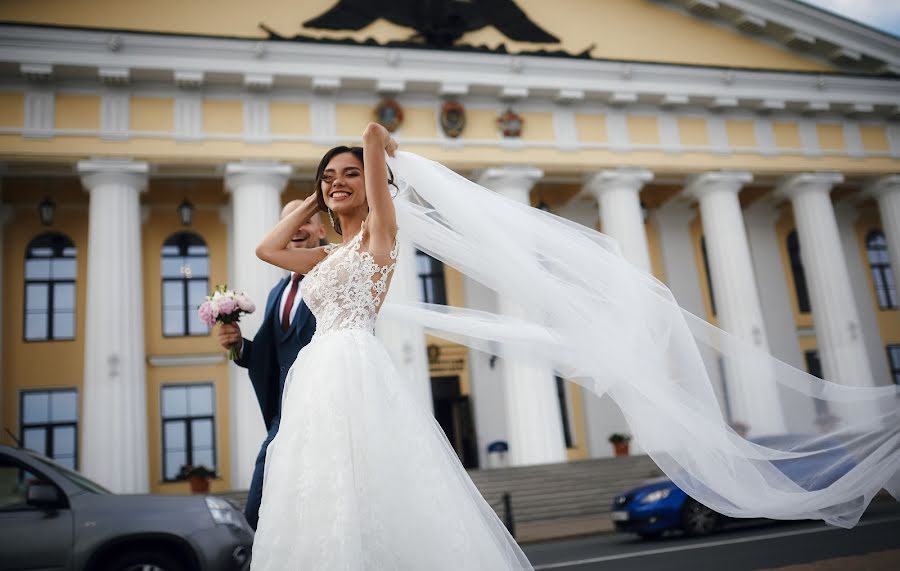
{"x": 786, "y": 546}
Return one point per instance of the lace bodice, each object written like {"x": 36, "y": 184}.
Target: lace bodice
{"x": 345, "y": 290}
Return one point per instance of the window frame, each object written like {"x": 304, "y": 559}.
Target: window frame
{"x": 58, "y": 243}
{"x": 187, "y": 423}
{"x": 798, "y": 273}
{"x": 49, "y": 425}
{"x": 436, "y": 277}
{"x": 185, "y": 282}
{"x": 884, "y": 269}
{"x": 893, "y": 365}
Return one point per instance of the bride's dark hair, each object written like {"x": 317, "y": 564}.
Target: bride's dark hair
{"x": 320, "y": 197}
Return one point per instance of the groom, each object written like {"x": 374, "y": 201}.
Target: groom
{"x": 287, "y": 327}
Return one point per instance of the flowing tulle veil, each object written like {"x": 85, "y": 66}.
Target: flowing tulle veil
{"x": 614, "y": 329}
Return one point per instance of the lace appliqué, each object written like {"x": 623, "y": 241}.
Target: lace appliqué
{"x": 345, "y": 290}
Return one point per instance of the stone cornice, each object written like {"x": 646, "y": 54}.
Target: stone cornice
{"x": 298, "y": 64}
{"x": 501, "y": 179}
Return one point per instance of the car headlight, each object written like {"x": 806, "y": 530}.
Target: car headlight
{"x": 222, "y": 512}
{"x": 656, "y": 496}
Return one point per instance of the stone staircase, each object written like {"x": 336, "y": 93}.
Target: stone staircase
{"x": 554, "y": 500}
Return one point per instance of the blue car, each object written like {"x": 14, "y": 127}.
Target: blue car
{"x": 658, "y": 505}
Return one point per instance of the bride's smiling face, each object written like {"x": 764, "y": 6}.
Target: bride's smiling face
{"x": 343, "y": 183}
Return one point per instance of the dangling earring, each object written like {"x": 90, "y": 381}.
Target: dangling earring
{"x": 335, "y": 223}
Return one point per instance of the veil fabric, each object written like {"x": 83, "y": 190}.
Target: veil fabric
{"x": 615, "y": 329}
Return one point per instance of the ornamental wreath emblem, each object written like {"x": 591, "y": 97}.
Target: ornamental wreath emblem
{"x": 453, "y": 118}
{"x": 389, "y": 114}
{"x": 510, "y": 123}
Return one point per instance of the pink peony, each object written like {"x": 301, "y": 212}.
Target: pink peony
{"x": 244, "y": 303}
{"x": 207, "y": 313}
{"x": 227, "y": 306}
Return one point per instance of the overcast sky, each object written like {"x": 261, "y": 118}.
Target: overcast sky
{"x": 881, "y": 14}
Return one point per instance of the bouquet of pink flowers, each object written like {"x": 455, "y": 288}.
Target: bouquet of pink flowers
{"x": 225, "y": 306}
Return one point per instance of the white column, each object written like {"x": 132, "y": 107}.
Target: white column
{"x": 255, "y": 208}
{"x": 841, "y": 347}
{"x": 405, "y": 342}
{"x": 752, "y": 393}
{"x": 114, "y": 446}
{"x": 886, "y": 191}
{"x": 618, "y": 196}
{"x": 535, "y": 424}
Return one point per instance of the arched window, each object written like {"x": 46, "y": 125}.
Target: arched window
{"x": 431, "y": 276}
{"x": 185, "y": 284}
{"x": 882, "y": 275}
{"x": 793, "y": 245}
{"x": 712, "y": 295}
{"x": 50, "y": 271}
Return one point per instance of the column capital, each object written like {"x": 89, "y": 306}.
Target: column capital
{"x": 794, "y": 185}
{"x": 97, "y": 172}
{"x": 882, "y": 185}
{"x": 252, "y": 172}
{"x": 500, "y": 179}
{"x": 630, "y": 178}
{"x": 729, "y": 181}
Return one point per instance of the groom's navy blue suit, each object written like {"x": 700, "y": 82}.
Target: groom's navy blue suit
{"x": 268, "y": 358}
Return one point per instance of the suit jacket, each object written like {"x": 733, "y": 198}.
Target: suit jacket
{"x": 272, "y": 352}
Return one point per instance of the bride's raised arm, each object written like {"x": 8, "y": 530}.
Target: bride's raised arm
{"x": 273, "y": 248}
{"x": 382, "y": 220}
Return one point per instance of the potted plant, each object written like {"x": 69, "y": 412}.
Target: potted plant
{"x": 620, "y": 443}
{"x": 198, "y": 476}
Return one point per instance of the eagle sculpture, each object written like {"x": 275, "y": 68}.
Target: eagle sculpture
{"x": 438, "y": 22}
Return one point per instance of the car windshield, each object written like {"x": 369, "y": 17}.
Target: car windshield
{"x": 70, "y": 475}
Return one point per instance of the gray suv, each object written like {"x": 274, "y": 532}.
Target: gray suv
{"x": 52, "y": 518}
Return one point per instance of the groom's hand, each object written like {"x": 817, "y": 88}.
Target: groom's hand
{"x": 230, "y": 335}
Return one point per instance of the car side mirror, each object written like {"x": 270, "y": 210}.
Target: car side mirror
{"x": 42, "y": 495}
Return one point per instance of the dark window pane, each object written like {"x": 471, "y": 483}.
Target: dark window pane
{"x": 174, "y": 462}
{"x": 64, "y": 296}
{"x": 40, "y": 252}
{"x": 202, "y": 434}
{"x": 174, "y": 401}
{"x": 200, "y": 400}
{"x": 36, "y": 327}
{"x": 63, "y": 269}
{"x": 35, "y": 407}
{"x": 64, "y": 325}
{"x": 35, "y": 439}
{"x": 197, "y": 290}
{"x": 37, "y": 269}
{"x": 174, "y": 435}
{"x": 67, "y": 461}
{"x": 63, "y": 406}
{"x": 204, "y": 458}
{"x": 173, "y": 322}
{"x": 173, "y": 294}
{"x": 171, "y": 267}
{"x": 36, "y": 297}
{"x": 63, "y": 441}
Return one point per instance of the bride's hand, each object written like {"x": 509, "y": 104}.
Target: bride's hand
{"x": 378, "y": 130}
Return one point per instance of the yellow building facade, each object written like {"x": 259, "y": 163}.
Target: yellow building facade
{"x": 654, "y": 122}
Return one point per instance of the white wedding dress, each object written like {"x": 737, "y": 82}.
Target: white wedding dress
{"x": 360, "y": 476}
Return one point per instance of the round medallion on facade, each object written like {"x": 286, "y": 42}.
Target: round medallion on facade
{"x": 389, "y": 114}
{"x": 453, "y": 118}
{"x": 510, "y": 123}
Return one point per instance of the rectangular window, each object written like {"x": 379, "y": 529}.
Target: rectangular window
{"x": 48, "y": 424}
{"x": 564, "y": 411}
{"x": 814, "y": 368}
{"x": 188, "y": 427}
{"x": 893, "y": 352}
{"x": 431, "y": 278}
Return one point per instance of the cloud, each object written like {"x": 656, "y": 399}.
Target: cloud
{"x": 881, "y": 14}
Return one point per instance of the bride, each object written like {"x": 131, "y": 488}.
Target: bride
{"x": 360, "y": 476}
